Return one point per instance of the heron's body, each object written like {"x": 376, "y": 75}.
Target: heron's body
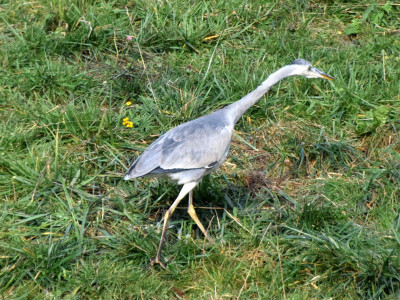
{"x": 191, "y": 150}
{"x": 184, "y": 153}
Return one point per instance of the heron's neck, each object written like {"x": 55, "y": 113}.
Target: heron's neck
{"x": 237, "y": 109}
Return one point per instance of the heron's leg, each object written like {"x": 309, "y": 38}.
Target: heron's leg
{"x": 193, "y": 214}
{"x": 188, "y": 187}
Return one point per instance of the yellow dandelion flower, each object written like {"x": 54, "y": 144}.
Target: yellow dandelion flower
{"x": 340, "y": 32}
{"x": 125, "y": 119}
{"x": 128, "y": 103}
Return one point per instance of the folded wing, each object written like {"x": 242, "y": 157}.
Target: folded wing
{"x": 201, "y": 143}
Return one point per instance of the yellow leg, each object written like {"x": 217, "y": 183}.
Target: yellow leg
{"x": 187, "y": 188}
{"x": 193, "y": 214}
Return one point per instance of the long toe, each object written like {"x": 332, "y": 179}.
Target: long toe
{"x": 160, "y": 261}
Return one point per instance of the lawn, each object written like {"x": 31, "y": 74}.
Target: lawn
{"x": 307, "y": 205}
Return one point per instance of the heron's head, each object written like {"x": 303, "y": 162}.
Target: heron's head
{"x": 304, "y": 68}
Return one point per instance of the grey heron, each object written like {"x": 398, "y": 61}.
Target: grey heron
{"x": 193, "y": 149}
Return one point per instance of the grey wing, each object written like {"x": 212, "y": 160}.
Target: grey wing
{"x": 193, "y": 145}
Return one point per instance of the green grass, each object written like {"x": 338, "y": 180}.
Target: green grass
{"x": 307, "y": 204}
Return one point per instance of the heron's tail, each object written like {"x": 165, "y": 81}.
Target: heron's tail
{"x": 127, "y": 177}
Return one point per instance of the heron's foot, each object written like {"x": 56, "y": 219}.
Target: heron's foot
{"x": 160, "y": 261}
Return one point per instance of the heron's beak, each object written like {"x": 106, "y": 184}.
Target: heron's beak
{"x": 322, "y": 74}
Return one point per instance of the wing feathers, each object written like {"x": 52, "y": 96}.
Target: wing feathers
{"x": 200, "y": 143}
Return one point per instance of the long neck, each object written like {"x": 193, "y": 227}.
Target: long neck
{"x": 237, "y": 109}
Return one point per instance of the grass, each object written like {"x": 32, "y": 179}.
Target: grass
{"x": 307, "y": 204}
